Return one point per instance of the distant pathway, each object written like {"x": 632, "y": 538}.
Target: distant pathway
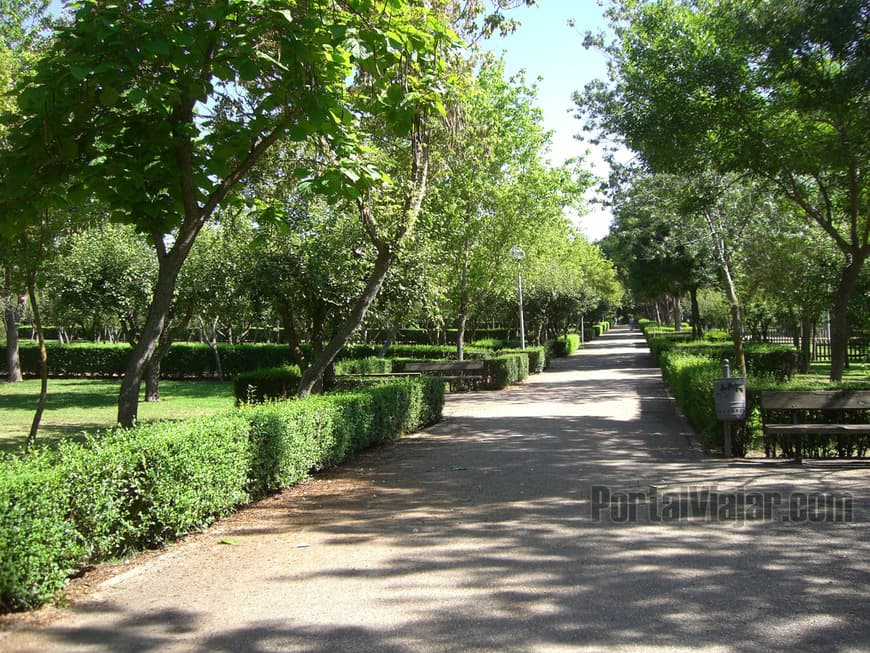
{"x": 479, "y": 534}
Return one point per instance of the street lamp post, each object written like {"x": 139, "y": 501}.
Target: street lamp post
{"x": 518, "y": 255}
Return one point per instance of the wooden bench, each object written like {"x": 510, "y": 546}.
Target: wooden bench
{"x": 796, "y": 401}
{"x": 451, "y": 370}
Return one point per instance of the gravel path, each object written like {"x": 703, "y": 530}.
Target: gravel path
{"x": 571, "y": 513}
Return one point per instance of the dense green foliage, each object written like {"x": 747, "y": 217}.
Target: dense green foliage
{"x": 65, "y": 508}
{"x": 690, "y": 367}
{"x": 257, "y": 386}
{"x": 566, "y": 345}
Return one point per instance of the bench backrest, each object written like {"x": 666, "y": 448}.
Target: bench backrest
{"x": 815, "y": 400}
{"x": 446, "y": 366}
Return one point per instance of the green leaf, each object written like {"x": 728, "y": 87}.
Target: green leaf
{"x": 286, "y": 13}
{"x": 79, "y": 72}
{"x": 272, "y": 60}
{"x": 109, "y": 97}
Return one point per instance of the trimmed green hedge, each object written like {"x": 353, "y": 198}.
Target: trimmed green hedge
{"x": 82, "y": 503}
{"x": 566, "y": 345}
{"x": 779, "y": 362}
{"x": 196, "y": 360}
{"x": 262, "y": 385}
{"x": 506, "y": 369}
{"x": 537, "y": 357}
{"x": 690, "y": 377}
{"x": 368, "y": 365}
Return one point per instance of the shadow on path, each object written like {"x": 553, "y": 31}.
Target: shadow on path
{"x": 480, "y": 534}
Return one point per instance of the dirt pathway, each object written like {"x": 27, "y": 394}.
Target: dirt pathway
{"x": 570, "y": 513}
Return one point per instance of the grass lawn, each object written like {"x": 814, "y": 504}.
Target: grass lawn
{"x": 821, "y": 373}
{"x": 77, "y": 405}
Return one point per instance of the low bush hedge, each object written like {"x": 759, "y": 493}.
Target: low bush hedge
{"x": 258, "y": 386}
{"x": 196, "y": 360}
{"x": 537, "y": 357}
{"x": 506, "y": 369}
{"x": 778, "y": 362}
{"x": 566, "y": 345}
{"x": 368, "y": 365}
{"x": 690, "y": 377}
{"x": 82, "y": 503}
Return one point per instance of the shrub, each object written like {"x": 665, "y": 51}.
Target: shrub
{"x": 124, "y": 490}
{"x": 369, "y": 365}
{"x": 271, "y": 383}
{"x": 490, "y": 343}
{"x": 506, "y": 369}
{"x": 690, "y": 378}
{"x": 566, "y": 345}
{"x": 537, "y": 357}
{"x": 39, "y": 546}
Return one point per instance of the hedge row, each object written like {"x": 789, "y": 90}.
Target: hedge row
{"x": 779, "y": 362}
{"x": 506, "y": 369}
{"x": 690, "y": 377}
{"x": 566, "y": 345}
{"x": 423, "y": 337}
{"x": 537, "y": 357}
{"x": 265, "y": 384}
{"x": 81, "y": 503}
{"x": 192, "y": 359}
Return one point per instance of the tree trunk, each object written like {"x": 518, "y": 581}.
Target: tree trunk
{"x": 152, "y": 381}
{"x": 460, "y": 331}
{"x": 839, "y": 313}
{"x": 678, "y": 314}
{"x": 149, "y": 339}
{"x": 697, "y": 330}
{"x": 736, "y": 322}
{"x": 211, "y": 339}
{"x": 43, "y": 365}
{"x": 806, "y": 343}
{"x": 388, "y": 341}
{"x": 291, "y": 335}
{"x": 463, "y": 304}
{"x": 376, "y": 279}
{"x": 11, "y": 316}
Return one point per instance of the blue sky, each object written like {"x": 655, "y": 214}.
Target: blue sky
{"x": 544, "y": 46}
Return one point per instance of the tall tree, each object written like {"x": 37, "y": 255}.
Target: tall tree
{"x": 774, "y": 89}
{"x": 492, "y": 188}
{"x": 20, "y": 21}
{"x": 161, "y": 109}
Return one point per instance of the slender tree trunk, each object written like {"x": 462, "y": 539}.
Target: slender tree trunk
{"x": 806, "y": 344}
{"x": 291, "y": 335}
{"x": 43, "y": 365}
{"x": 11, "y": 317}
{"x": 678, "y": 314}
{"x": 839, "y": 313}
{"x": 211, "y": 340}
{"x": 463, "y": 303}
{"x": 388, "y": 341}
{"x": 739, "y": 362}
{"x": 149, "y": 339}
{"x": 376, "y": 279}
{"x": 697, "y": 330}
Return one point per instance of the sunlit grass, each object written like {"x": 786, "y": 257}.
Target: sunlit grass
{"x": 87, "y": 405}
{"x": 821, "y": 373}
